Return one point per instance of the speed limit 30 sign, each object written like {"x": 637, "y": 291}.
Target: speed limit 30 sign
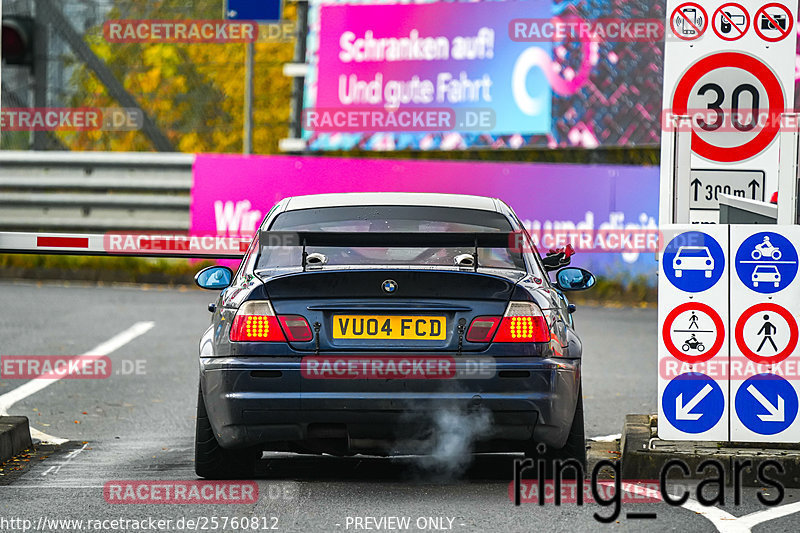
{"x": 746, "y": 103}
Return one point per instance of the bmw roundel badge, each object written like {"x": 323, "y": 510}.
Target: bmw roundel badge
{"x": 389, "y": 286}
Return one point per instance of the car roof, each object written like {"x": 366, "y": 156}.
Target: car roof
{"x": 462, "y": 201}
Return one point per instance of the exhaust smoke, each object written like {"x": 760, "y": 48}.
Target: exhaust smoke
{"x": 447, "y": 452}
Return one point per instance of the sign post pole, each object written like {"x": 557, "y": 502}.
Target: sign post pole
{"x": 788, "y": 170}
{"x": 683, "y": 169}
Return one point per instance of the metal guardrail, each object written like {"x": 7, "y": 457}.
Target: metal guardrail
{"x": 94, "y": 191}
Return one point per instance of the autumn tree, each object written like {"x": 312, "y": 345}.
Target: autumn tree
{"x": 194, "y": 92}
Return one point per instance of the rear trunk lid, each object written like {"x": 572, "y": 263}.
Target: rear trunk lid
{"x": 389, "y": 309}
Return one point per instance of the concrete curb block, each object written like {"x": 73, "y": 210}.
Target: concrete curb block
{"x": 15, "y": 436}
{"x": 644, "y": 456}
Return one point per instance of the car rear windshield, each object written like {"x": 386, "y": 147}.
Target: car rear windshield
{"x": 403, "y": 219}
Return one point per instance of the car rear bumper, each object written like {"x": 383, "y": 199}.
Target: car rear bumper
{"x": 262, "y": 401}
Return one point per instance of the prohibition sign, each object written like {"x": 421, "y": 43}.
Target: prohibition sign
{"x": 680, "y": 103}
{"x": 692, "y": 26}
{"x": 736, "y": 31}
{"x": 767, "y": 308}
{"x": 719, "y": 327}
{"x": 783, "y": 34}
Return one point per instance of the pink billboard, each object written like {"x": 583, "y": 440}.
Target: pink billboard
{"x": 231, "y": 194}
{"x": 590, "y": 88}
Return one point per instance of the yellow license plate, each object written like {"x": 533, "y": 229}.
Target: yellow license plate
{"x": 389, "y": 327}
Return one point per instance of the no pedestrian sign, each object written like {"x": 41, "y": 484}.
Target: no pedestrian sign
{"x": 767, "y": 333}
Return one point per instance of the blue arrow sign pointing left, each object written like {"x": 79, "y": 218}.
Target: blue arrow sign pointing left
{"x": 693, "y": 403}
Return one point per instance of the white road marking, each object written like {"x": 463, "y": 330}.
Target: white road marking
{"x": 607, "y": 438}
{"x": 719, "y": 518}
{"x": 33, "y": 386}
{"x": 722, "y": 520}
{"x": 59, "y": 487}
{"x": 45, "y": 438}
{"x": 766, "y": 515}
{"x": 70, "y": 456}
{"x": 713, "y": 514}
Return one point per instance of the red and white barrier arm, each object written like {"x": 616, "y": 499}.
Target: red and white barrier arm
{"x": 131, "y": 244}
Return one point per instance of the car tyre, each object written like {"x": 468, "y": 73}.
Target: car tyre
{"x": 574, "y": 448}
{"x": 212, "y": 461}
{"x": 678, "y": 273}
{"x": 709, "y": 273}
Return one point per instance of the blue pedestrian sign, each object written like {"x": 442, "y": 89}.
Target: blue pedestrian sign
{"x": 766, "y": 262}
{"x": 258, "y": 10}
{"x": 693, "y": 261}
{"x": 693, "y": 403}
{"x": 766, "y": 404}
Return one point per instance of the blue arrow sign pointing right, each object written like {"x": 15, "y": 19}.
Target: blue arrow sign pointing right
{"x": 766, "y": 404}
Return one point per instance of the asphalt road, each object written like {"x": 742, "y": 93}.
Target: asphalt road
{"x": 140, "y": 426}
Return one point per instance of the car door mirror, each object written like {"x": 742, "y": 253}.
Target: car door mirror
{"x": 214, "y": 278}
{"x": 574, "y": 279}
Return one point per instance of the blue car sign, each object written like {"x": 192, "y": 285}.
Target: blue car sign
{"x": 693, "y": 261}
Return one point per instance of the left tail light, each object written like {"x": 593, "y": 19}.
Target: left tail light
{"x": 256, "y": 321}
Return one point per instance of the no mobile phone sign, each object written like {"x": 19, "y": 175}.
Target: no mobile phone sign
{"x": 689, "y": 21}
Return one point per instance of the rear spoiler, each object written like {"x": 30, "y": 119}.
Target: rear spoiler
{"x": 369, "y": 239}
{"x": 125, "y": 244}
{"x": 304, "y": 239}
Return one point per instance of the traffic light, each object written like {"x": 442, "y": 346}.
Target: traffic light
{"x": 18, "y": 40}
